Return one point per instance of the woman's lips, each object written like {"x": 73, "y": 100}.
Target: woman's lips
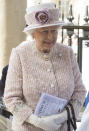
{"x": 48, "y": 42}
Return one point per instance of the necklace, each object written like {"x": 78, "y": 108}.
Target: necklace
{"x": 45, "y": 56}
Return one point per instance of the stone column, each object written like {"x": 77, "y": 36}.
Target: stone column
{"x": 12, "y": 24}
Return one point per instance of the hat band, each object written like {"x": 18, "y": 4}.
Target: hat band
{"x": 42, "y": 17}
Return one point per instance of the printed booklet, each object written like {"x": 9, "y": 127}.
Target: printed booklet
{"x": 49, "y": 105}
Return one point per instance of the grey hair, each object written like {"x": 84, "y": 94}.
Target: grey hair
{"x": 30, "y": 33}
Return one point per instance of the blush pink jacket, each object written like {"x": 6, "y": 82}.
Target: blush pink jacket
{"x": 29, "y": 75}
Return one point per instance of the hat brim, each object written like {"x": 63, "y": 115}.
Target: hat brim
{"x": 30, "y": 28}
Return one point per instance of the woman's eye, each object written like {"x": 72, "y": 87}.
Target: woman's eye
{"x": 45, "y": 31}
{"x": 53, "y": 31}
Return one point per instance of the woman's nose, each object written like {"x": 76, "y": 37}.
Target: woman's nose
{"x": 49, "y": 35}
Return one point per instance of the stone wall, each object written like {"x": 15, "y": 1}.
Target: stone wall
{"x": 12, "y": 24}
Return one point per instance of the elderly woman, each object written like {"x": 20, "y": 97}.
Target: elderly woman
{"x": 42, "y": 65}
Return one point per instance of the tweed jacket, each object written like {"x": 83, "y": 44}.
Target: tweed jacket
{"x": 29, "y": 75}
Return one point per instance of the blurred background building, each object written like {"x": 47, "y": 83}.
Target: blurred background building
{"x": 11, "y": 26}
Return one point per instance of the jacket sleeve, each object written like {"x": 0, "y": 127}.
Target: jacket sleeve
{"x": 13, "y": 95}
{"x": 79, "y": 93}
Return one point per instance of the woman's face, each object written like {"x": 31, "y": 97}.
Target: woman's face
{"x": 46, "y": 37}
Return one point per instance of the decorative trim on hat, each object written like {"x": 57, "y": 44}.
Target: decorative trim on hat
{"x": 42, "y": 17}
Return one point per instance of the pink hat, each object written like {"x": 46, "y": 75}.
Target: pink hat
{"x": 42, "y": 15}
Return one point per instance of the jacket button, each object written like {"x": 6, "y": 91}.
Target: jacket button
{"x": 48, "y": 70}
{"x": 59, "y": 54}
{"x": 52, "y": 85}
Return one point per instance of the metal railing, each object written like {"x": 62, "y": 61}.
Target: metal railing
{"x": 70, "y": 32}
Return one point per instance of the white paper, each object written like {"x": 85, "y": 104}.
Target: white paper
{"x": 49, "y": 105}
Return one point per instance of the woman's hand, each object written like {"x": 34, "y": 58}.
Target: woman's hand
{"x": 58, "y": 119}
{"x": 61, "y": 117}
{"x": 48, "y": 123}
